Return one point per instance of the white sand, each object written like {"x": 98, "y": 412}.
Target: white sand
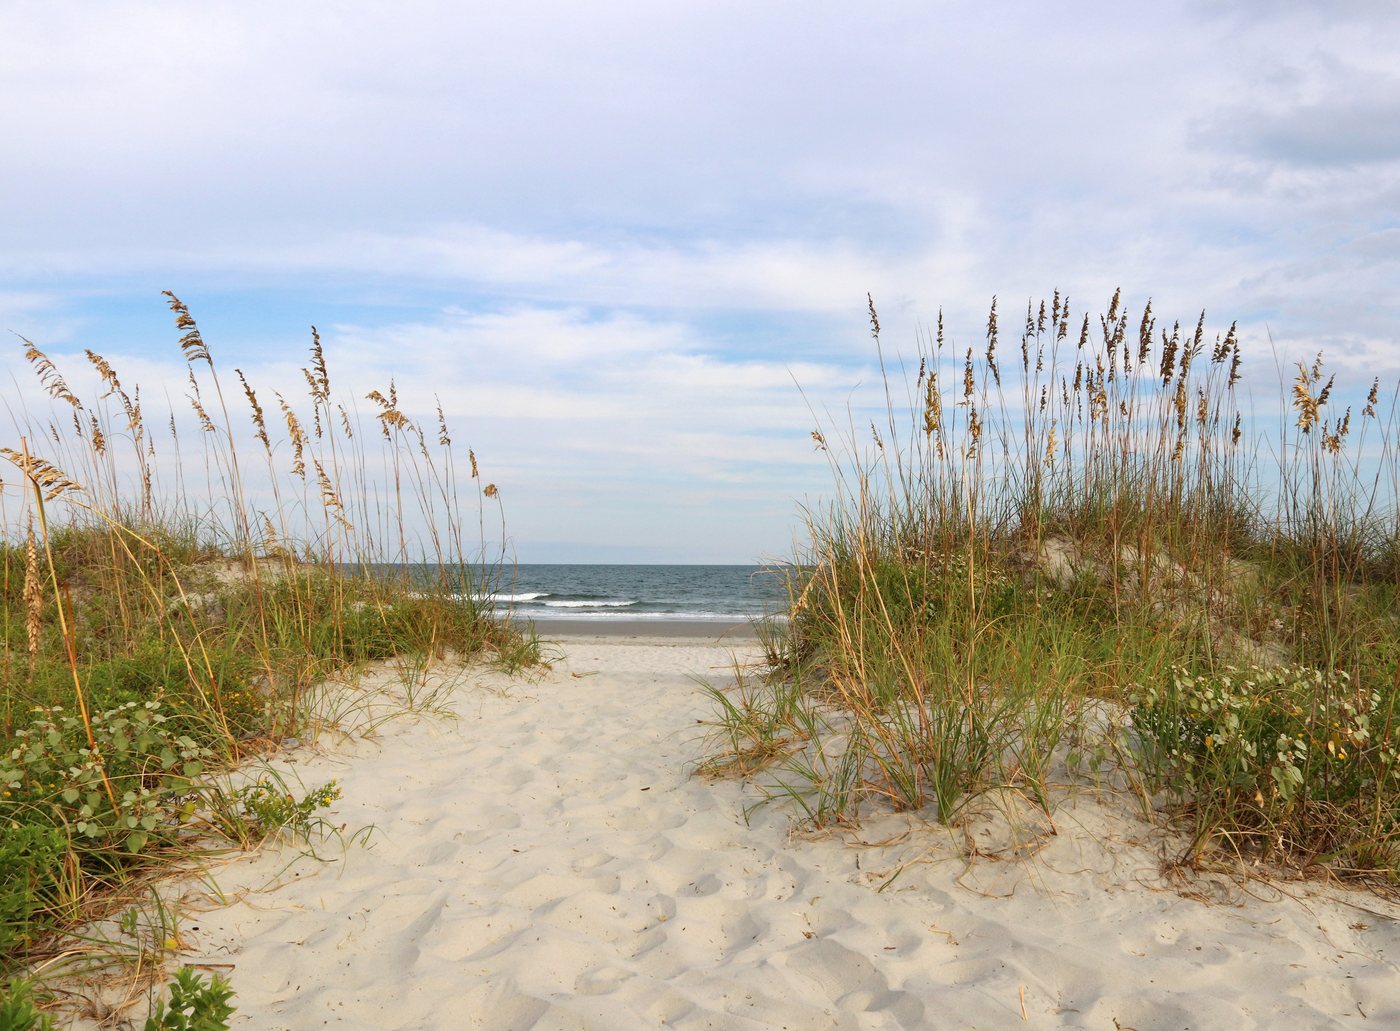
{"x": 546, "y": 861}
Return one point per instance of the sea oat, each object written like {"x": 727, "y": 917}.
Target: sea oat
{"x": 1169, "y": 349}
{"x": 298, "y": 438}
{"x": 191, "y": 343}
{"x": 1145, "y": 333}
{"x": 1303, "y": 401}
{"x": 933, "y": 406}
{"x": 48, "y": 375}
{"x": 991, "y": 348}
{"x": 444, "y": 438}
{"x": 204, "y": 421}
{"x": 321, "y": 384}
{"x": 104, "y": 371}
{"x": 315, "y": 401}
{"x": 44, "y": 475}
{"x": 33, "y": 594}
{"x": 259, "y": 423}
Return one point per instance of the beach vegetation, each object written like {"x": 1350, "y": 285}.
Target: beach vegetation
{"x": 171, "y": 613}
{"x": 1089, "y": 543}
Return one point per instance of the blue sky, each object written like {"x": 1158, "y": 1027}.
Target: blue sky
{"x": 613, "y": 237}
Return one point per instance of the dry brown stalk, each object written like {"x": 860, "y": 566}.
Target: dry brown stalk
{"x": 321, "y": 384}
{"x": 298, "y": 438}
{"x": 259, "y": 424}
{"x": 33, "y": 594}
{"x": 933, "y": 406}
{"x": 191, "y": 343}
{"x": 1303, "y": 401}
{"x": 991, "y": 347}
{"x": 444, "y": 438}
{"x": 44, "y": 475}
{"x": 206, "y": 423}
{"x": 1145, "y": 333}
{"x": 48, "y": 375}
{"x": 98, "y": 439}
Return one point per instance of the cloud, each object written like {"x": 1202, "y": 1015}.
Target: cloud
{"x": 615, "y": 426}
{"x": 610, "y": 238}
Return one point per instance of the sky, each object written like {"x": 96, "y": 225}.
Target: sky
{"x": 628, "y": 246}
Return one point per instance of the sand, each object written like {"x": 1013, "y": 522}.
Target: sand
{"x": 546, "y": 860}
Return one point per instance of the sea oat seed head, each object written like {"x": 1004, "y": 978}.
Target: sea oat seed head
{"x": 991, "y": 344}
{"x": 33, "y": 594}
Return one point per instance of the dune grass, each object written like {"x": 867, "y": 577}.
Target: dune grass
{"x": 167, "y": 610}
{"x": 1095, "y": 522}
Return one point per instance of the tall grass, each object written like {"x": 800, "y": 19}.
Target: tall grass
{"x": 166, "y": 607}
{"x": 1092, "y": 514}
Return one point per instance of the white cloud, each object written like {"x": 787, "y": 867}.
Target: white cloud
{"x": 610, "y": 233}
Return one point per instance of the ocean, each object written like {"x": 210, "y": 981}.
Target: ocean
{"x": 602, "y": 592}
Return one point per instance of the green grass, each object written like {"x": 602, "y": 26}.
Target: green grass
{"x": 1092, "y": 518}
{"x": 166, "y": 612}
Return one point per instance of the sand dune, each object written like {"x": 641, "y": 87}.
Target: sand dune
{"x": 546, "y": 861}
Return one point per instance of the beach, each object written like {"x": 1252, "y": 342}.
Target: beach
{"x": 546, "y": 859}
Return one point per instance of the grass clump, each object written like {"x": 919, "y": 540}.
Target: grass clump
{"x": 165, "y": 615}
{"x": 1018, "y": 540}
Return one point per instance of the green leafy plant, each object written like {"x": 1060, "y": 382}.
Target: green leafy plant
{"x": 1289, "y": 762}
{"x": 195, "y": 1004}
{"x": 129, "y": 780}
{"x": 17, "y": 1009}
{"x": 268, "y": 807}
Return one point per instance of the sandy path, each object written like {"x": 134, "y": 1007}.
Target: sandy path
{"x": 545, "y": 861}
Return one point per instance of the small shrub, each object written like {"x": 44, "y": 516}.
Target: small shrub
{"x": 17, "y": 1010}
{"x": 195, "y": 1005}
{"x": 267, "y": 808}
{"x": 132, "y": 785}
{"x": 1288, "y": 762}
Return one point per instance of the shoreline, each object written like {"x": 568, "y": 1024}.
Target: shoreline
{"x": 653, "y": 631}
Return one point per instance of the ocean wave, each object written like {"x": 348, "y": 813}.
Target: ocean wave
{"x": 699, "y": 616}
{"x": 588, "y": 604}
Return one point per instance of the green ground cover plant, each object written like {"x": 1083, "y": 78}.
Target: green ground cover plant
{"x": 168, "y": 612}
{"x": 1096, "y": 522}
